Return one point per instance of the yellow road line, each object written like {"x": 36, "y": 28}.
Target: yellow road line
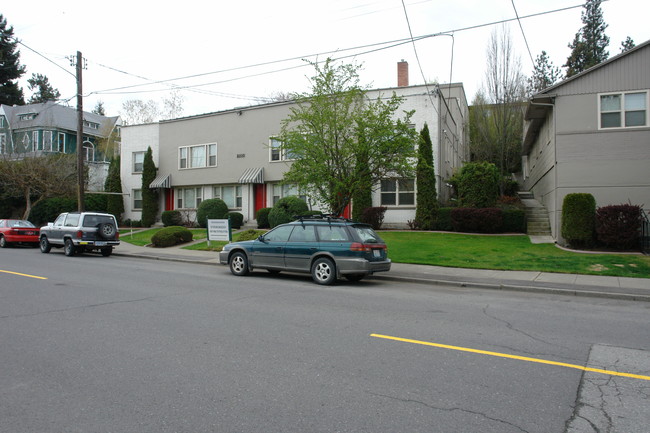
{"x": 505, "y": 355}
{"x": 23, "y": 275}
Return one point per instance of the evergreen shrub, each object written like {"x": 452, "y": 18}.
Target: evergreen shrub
{"x": 262, "y": 217}
{"x": 374, "y": 216}
{"x": 236, "y": 219}
{"x": 619, "y": 226}
{"x": 248, "y": 235}
{"x": 172, "y": 218}
{"x": 170, "y": 236}
{"x": 213, "y": 209}
{"x": 443, "y": 222}
{"x": 478, "y": 185}
{"x": 578, "y": 219}
{"x": 471, "y": 220}
{"x": 285, "y": 209}
{"x": 514, "y": 221}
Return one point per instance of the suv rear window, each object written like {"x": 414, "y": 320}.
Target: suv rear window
{"x": 367, "y": 234}
{"x": 332, "y": 233}
{"x": 95, "y": 220}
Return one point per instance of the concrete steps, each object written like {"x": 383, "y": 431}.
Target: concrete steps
{"x": 537, "y": 220}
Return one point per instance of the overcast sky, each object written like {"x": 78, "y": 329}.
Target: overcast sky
{"x": 209, "y": 49}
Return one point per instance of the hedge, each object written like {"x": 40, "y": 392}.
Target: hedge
{"x": 470, "y": 220}
{"x": 618, "y": 226}
{"x": 236, "y": 219}
{"x": 578, "y": 219}
{"x": 171, "y": 218}
{"x": 170, "y": 236}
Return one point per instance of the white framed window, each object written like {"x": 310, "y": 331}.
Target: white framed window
{"x": 200, "y": 156}
{"x": 137, "y": 199}
{"x": 623, "y": 110}
{"x": 47, "y": 141}
{"x": 284, "y": 190}
{"x": 397, "y": 192}
{"x": 277, "y": 151}
{"x": 231, "y": 194}
{"x": 138, "y": 162}
{"x": 89, "y": 151}
{"x": 35, "y": 141}
{"x": 3, "y": 143}
{"x": 189, "y": 198}
{"x": 60, "y": 143}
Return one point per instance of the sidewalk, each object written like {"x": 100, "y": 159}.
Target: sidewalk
{"x": 635, "y": 289}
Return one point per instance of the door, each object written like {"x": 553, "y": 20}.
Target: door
{"x": 269, "y": 253}
{"x": 259, "y": 193}
{"x": 300, "y": 248}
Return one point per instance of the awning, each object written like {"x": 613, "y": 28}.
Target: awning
{"x": 161, "y": 181}
{"x": 252, "y": 175}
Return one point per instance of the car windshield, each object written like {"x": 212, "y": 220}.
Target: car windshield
{"x": 19, "y": 223}
{"x": 367, "y": 234}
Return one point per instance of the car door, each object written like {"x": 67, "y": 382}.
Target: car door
{"x": 299, "y": 249}
{"x": 56, "y": 233}
{"x": 269, "y": 252}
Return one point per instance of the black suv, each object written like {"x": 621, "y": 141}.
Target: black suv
{"x": 79, "y": 232}
{"x": 324, "y": 246}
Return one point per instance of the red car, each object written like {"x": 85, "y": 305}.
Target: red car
{"x": 18, "y": 232}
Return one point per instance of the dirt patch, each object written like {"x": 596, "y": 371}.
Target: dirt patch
{"x": 598, "y": 268}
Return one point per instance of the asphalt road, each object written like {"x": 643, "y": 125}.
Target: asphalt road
{"x": 96, "y": 344}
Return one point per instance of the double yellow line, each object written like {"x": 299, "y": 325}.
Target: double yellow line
{"x": 23, "y": 275}
{"x": 519, "y": 358}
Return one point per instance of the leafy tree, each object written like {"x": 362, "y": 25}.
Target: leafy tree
{"x": 589, "y": 47}
{"x": 43, "y": 90}
{"x": 149, "y": 195}
{"x": 627, "y": 44}
{"x": 10, "y": 68}
{"x": 478, "y": 185}
{"x": 362, "y": 197}
{"x": 496, "y": 115}
{"x": 427, "y": 198}
{"x": 115, "y": 202}
{"x": 37, "y": 178}
{"x": 544, "y": 75}
{"x": 333, "y": 124}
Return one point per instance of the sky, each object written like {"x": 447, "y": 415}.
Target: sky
{"x": 221, "y": 55}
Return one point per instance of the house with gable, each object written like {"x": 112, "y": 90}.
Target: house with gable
{"x": 591, "y": 134}
{"x": 44, "y": 128}
{"x": 233, "y": 154}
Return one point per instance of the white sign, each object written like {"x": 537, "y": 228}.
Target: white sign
{"x": 219, "y": 230}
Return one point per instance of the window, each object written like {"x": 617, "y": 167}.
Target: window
{"x": 330, "y": 233}
{"x": 398, "y": 192}
{"x": 91, "y": 125}
{"x": 47, "y": 141}
{"x": 229, "y": 194}
{"x": 281, "y": 191}
{"x": 137, "y": 199}
{"x": 3, "y": 143}
{"x": 27, "y": 116}
{"x": 623, "y": 110}
{"x": 280, "y": 234}
{"x": 89, "y": 151}
{"x": 204, "y": 155}
{"x": 61, "y": 143}
{"x": 189, "y": 198}
{"x": 277, "y": 151}
{"x": 138, "y": 162}
{"x": 35, "y": 142}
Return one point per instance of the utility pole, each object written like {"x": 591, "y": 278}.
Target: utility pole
{"x": 80, "y": 142}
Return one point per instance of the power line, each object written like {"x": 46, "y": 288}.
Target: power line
{"x": 522, "y": 32}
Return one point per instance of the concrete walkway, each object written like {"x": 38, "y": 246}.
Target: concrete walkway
{"x": 544, "y": 282}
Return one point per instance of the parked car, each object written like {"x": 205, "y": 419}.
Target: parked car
{"x": 79, "y": 232}
{"x": 324, "y": 246}
{"x": 18, "y": 232}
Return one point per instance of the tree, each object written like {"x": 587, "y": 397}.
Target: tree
{"x": 113, "y": 184}
{"x": 99, "y": 108}
{"x": 545, "y": 74}
{"x": 11, "y": 69}
{"x": 136, "y": 112}
{"x": 627, "y": 44}
{"x": 36, "y": 178}
{"x": 172, "y": 105}
{"x": 149, "y": 195}
{"x": 335, "y": 123}
{"x": 589, "y": 47}
{"x": 496, "y": 116}
{"x": 426, "y": 212}
{"x": 43, "y": 90}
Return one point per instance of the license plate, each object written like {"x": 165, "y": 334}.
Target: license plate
{"x": 376, "y": 253}
{"x": 100, "y": 244}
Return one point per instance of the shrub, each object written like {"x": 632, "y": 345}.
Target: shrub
{"x": 248, "y": 235}
{"x": 510, "y": 187}
{"x": 170, "y": 236}
{"x": 285, "y": 209}
{"x": 426, "y": 210}
{"x": 236, "y": 219}
{"x": 618, "y": 226}
{"x": 486, "y": 220}
{"x": 171, "y": 218}
{"x": 478, "y": 185}
{"x": 578, "y": 219}
{"x": 262, "y": 217}
{"x": 443, "y": 223}
{"x": 514, "y": 221}
{"x": 214, "y": 209}
{"x": 48, "y": 209}
{"x": 374, "y": 216}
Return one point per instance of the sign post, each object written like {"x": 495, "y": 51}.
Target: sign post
{"x": 219, "y": 230}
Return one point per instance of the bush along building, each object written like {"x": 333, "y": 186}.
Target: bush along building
{"x": 46, "y": 128}
{"x": 234, "y": 155}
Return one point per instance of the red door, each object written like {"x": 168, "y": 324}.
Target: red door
{"x": 259, "y": 194}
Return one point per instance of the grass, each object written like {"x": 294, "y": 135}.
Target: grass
{"x": 513, "y": 253}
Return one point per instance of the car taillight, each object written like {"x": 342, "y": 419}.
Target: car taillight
{"x": 356, "y": 246}
{"x": 117, "y": 235}
{"x": 80, "y": 234}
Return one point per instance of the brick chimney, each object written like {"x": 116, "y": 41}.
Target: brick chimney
{"x": 402, "y": 74}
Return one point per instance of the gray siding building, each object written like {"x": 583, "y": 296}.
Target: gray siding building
{"x": 591, "y": 134}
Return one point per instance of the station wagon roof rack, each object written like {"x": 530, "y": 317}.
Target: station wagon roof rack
{"x": 321, "y": 217}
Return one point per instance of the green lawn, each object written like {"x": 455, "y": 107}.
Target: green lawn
{"x": 514, "y": 253}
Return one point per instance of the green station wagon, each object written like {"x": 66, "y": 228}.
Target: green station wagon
{"x": 324, "y": 246}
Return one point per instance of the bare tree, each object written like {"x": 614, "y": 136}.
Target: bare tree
{"x": 496, "y": 121}
{"x": 137, "y": 112}
{"x": 173, "y": 105}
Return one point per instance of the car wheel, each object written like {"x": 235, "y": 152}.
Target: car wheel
{"x": 44, "y": 245}
{"x": 107, "y": 252}
{"x": 68, "y": 248}
{"x": 355, "y": 277}
{"x": 323, "y": 271}
{"x": 106, "y": 230}
{"x": 3, "y": 242}
{"x": 239, "y": 264}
